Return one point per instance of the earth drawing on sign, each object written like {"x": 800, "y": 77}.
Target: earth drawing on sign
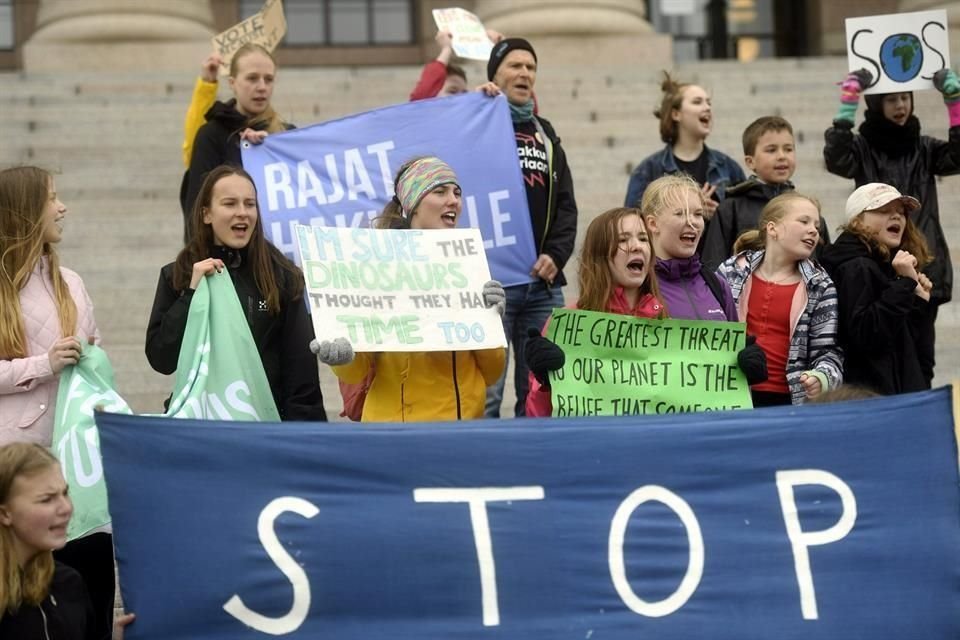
{"x": 901, "y": 56}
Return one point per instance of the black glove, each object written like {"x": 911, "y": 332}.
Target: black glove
{"x": 542, "y": 357}
{"x": 753, "y": 361}
{"x": 864, "y": 77}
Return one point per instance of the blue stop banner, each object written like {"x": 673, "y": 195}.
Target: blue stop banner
{"x": 830, "y": 522}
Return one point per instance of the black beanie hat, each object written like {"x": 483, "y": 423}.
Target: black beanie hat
{"x": 500, "y": 51}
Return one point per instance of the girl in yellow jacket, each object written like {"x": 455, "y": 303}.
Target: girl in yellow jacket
{"x": 421, "y": 386}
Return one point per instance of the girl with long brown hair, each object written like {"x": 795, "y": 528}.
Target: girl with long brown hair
{"x": 228, "y": 234}
{"x": 616, "y": 276}
{"x": 44, "y": 308}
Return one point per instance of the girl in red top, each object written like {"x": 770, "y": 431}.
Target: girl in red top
{"x": 788, "y": 301}
{"x": 616, "y": 276}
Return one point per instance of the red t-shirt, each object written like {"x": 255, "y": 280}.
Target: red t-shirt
{"x": 768, "y": 318}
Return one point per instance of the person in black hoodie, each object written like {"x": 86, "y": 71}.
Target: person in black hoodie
{"x": 248, "y": 116}
{"x": 891, "y": 150}
{"x": 40, "y": 597}
{"x": 769, "y": 152}
{"x": 886, "y": 329}
{"x": 228, "y": 233}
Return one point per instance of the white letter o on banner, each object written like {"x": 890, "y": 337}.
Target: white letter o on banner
{"x": 618, "y": 571}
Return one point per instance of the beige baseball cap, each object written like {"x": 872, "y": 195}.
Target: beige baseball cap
{"x": 874, "y": 195}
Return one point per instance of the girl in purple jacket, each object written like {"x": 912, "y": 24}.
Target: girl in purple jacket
{"x": 673, "y": 209}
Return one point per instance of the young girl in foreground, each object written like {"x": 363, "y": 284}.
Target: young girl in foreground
{"x": 616, "y": 276}
{"x": 788, "y": 302}
{"x": 421, "y": 386}
{"x": 228, "y": 233}
{"x": 886, "y": 327}
{"x": 39, "y": 597}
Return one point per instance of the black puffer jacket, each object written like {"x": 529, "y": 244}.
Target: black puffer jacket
{"x": 65, "y": 614}
{"x": 886, "y": 331}
{"x": 739, "y": 212}
{"x": 282, "y": 340}
{"x": 913, "y": 173}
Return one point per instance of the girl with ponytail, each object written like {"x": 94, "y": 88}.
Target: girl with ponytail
{"x": 788, "y": 302}
{"x": 686, "y": 119}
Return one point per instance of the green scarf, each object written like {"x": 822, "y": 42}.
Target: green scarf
{"x": 523, "y": 113}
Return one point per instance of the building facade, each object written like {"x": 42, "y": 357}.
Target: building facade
{"x": 113, "y": 34}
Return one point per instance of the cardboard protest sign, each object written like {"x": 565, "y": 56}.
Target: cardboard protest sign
{"x": 901, "y": 50}
{"x": 825, "y": 522}
{"x": 266, "y": 28}
{"x": 469, "y": 37}
{"x": 399, "y": 290}
{"x": 621, "y": 365}
{"x": 340, "y": 173}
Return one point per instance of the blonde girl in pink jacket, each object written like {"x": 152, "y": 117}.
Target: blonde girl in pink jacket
{"x": 44, "y": 308}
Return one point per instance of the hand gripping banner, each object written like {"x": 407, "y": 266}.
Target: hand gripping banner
{"x": 219, "y": 375}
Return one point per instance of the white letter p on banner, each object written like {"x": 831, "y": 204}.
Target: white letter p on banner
{"x": 800, "y": 540}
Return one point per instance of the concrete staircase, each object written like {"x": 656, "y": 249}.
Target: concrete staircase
{"x": 114, "y": 141}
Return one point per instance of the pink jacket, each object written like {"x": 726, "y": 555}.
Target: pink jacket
{"x": 28, "y": 386}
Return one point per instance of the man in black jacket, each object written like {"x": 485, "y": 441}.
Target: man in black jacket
{"x": 512, "y": 70}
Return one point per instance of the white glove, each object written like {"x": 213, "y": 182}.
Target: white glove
{"x": 338, "y": 352}
{"x": 495, "y": 296}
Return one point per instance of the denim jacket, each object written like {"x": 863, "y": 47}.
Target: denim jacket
{"x": 722, "y": 172}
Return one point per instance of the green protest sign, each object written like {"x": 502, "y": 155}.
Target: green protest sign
{"x": 621, "y": 365}
{"x": 219, "y": 376}
{"x": 399, "y": 289}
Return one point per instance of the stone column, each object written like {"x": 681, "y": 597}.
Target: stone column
{"x": 580, "y": 31}
{"x": 830, "y": 16}
{"x": 122, "y": 35}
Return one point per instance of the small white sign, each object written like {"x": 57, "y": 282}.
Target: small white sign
{"x": 399, "y": 290}
{"x": 678, "y": 7}
{"x": 901, "y": 50}
{"x": 469, "y": 37}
